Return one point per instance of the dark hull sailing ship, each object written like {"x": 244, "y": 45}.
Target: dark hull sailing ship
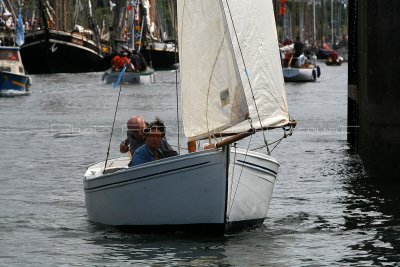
{"x": 145, "y": 26}
{"x": 157, "y": 46}
{"x": 160, "y": 55}
{"x": 52, "y": 49}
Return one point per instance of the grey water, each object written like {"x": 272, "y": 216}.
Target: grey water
{"x": 324, "y": 211}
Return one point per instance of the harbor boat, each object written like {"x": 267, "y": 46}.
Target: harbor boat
{"x": 13, "y": 79}
{"x": 334, "y": 59}
{"x": 129, "y": 77}
{"x": 160, "y": 55}
{"x": 158, "y": 45}
{"x": 52, "y": 48}
{"x": 219, "y": 187}
{"x": 295, "y": 69}
{"x": 146, "y": 27}
{"x": 301, "y": 74}
{"x": 337, "y": 62}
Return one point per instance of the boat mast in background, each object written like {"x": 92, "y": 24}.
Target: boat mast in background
{"x": 314, "y": 26}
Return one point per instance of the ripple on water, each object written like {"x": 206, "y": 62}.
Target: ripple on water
{"x": 324, "y": 212}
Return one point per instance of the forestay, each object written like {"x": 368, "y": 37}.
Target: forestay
{"x": 212, "y": 92}
{"x": 255, "y": 27}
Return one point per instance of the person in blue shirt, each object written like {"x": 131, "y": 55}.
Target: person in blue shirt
{"x": 136, "y": 138}
{"x": 151, "y": 150}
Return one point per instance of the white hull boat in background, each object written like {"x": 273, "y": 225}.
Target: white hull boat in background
{"x": 309, "y": 74}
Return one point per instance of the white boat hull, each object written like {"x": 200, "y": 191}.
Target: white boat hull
{"x": 301, "y": 74}
{"x": 210, "y": 188}
{"x": 251, "y": 191}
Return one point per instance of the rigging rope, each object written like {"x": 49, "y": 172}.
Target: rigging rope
{"x": 112, "y": 129}
{"x": 240, "y": 176}
{"x": 286, "y": 133}
{"x": 176, "y": 84}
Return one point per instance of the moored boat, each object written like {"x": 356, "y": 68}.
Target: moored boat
{"x": 13, "y": 80}
{"x": 334, "y": 63}
{"x": 160, "y": 55}
{"x": 334, "y": 59}
{"x": 52, "y": 48}
{"x": 158, "y": 44}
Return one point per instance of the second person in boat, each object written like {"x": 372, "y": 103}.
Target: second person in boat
{"x": 118, "y": 62}
{"x": 151, "y": 150}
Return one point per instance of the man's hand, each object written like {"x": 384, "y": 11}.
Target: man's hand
{"x": 123, "y": 148}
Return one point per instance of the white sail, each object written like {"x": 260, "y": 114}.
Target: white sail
{"x": 212, "y": 93}
{"x": 254, "y": 23}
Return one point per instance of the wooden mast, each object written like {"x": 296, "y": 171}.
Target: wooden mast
{"x": 64, "y": 14}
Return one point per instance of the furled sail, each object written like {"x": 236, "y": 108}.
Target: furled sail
{"x": 254, "y": 24}
{"x": 212, "y": 92}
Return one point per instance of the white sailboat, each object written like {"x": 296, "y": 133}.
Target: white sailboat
{"x": 234, "y": 86}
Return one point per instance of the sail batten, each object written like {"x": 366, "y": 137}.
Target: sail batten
{"x": 213, "y": 97}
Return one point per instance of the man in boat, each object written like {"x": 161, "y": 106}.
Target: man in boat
{"x": 138, "y": 61}
{"x": 298, "y": 52}
{"x": 124, "y": 60}
{"x": 115, "y": 62}
{"x": 287, "y": 41}
{"x": 118, "y": 62}
{"x": 135, "y": 135}
{"x": 151, "y": 150}
{"x": 136, "y": 138}
{"x": 333, "y": 57}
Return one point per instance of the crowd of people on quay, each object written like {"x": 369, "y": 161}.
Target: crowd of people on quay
{"x": 8, "y": 27}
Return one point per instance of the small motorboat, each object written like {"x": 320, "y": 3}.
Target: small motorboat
{"x": 308, "y": 73}
{"x": 13, "y": 79}
{"x": 333, "y": 63}
{"x": 305, "y": 71}
{"x": 334, "y": 59}
{"x": 130, "y": 77}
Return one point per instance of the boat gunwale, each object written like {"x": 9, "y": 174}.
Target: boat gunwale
{"x": 163, "y": 161}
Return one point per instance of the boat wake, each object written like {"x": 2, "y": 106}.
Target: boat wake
{"x": 13, "y": 92}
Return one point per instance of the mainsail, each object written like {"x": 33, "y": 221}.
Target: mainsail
{"x": 255, "y": 29}
{"x": 213, "y": 98}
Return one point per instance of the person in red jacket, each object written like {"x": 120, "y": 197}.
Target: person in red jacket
{"x": 115, "y": 62}
{"x": 124, "y": 60}
{"x": 118, "y": 62}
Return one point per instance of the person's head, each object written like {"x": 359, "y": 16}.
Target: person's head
{"x": 136, "y": 126}
{"x": 155, "y": 132}
{"x": 124, "y": 54}
{"x": 298, "y": 38}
